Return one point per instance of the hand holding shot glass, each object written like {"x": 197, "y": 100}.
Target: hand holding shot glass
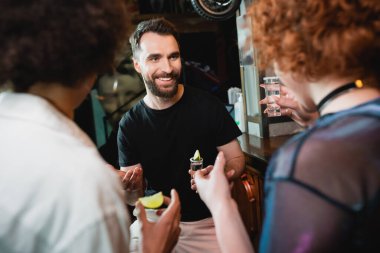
{"x": 196, "y": 162}
{"x": 272, "y": 89}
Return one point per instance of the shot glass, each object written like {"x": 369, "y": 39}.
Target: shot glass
{"x": 272, "y": 89}
{"x": 196, "y": 164}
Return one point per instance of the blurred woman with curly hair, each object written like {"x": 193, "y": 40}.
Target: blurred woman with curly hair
{"x": 323, "y": 186}
{"x": 57, "y": 194}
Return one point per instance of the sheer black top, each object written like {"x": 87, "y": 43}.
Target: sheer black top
{"x": 323, "y": 187}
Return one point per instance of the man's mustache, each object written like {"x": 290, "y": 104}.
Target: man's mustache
{"x": 173, "y": 75}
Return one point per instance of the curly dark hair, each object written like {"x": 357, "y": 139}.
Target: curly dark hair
{"x": 158, "y": 25}
{"x": 317, "y": 38}
{"x": 60, "y": 41}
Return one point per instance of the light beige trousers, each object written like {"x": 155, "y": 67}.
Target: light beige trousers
{"x": 196, "y": 237}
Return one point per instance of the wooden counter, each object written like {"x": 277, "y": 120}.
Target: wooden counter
{"x": 259, "y": 150}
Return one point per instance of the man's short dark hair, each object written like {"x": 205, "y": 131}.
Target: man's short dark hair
{"x": 159, "y": 25}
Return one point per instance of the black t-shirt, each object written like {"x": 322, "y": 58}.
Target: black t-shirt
{"x": 163, "y": 141}
{"x": 322, "y": 190}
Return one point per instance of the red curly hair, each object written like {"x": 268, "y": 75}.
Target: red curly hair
{"x": 317, "y": 38}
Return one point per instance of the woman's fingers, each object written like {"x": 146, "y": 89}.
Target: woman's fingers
{"x": 286, "y": 112}
{"x": 173, "y": 212}
{"x": 140, "y": 213}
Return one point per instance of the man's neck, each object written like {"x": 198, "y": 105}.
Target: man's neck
{"x": 160, "y": 103}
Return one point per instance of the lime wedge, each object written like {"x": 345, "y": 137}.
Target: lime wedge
{"x": 197, "y": 156}
{"x": 153, "y": 201}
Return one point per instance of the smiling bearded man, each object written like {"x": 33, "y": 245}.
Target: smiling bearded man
{"x": 159, "y": 134}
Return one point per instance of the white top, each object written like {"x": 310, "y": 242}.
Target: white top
{"x": 56, "y": 195}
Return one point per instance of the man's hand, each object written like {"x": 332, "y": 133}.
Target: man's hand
{"x": 132, "y": 179}
{"x": 161, "y": 236}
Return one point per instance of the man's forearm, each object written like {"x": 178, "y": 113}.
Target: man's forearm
{"x": 237, "y": 164}
{"x": 235, "y": 159}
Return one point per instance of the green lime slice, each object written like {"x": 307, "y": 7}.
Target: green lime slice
{"x": 152, "y": 201}
{"x": 197, "y": 156}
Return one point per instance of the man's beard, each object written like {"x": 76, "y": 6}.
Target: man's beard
{"x": 155, "y": 89}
